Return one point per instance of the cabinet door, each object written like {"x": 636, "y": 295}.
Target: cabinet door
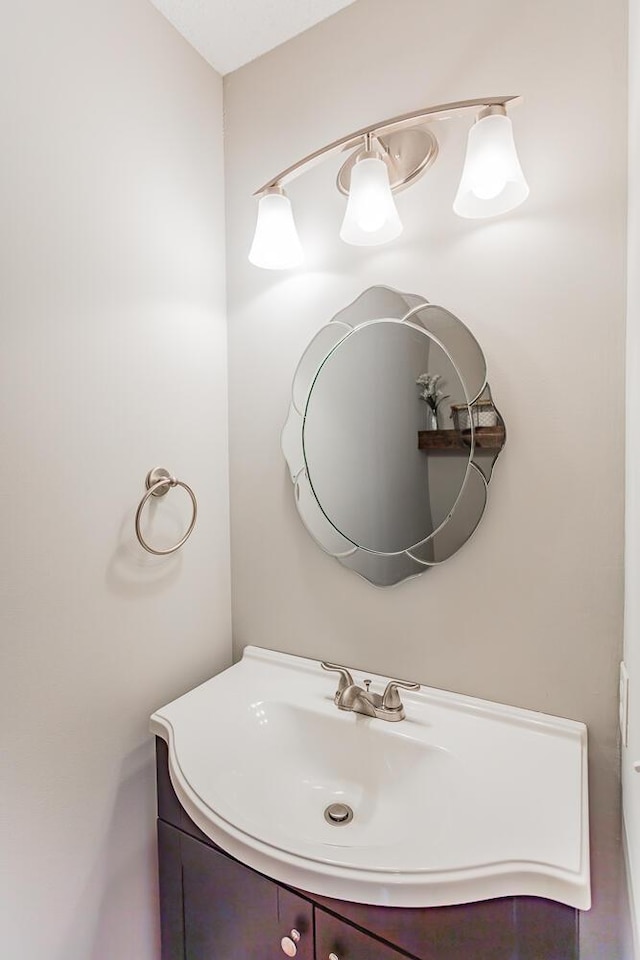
{"x": 337, "y": 939}
{"x": 233, "y": 913}
{"x": 471, "y": 931}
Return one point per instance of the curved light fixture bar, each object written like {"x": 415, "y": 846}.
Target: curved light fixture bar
{"x": 408, "y": 150}
{"x": 352, "y": 140}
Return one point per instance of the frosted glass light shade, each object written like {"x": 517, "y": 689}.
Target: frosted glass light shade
{"x": 276, "y": 244}
{"x": 371, "y": 216}
{"x": 492, "y": 180}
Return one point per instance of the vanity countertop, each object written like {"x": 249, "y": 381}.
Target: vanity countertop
{"x": 463, "y": 800}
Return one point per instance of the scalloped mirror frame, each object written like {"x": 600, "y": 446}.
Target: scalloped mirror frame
{"x": 382, "y": 303}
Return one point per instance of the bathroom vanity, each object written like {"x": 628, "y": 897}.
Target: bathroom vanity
{"x": 467, "y": 836}
{"x": 215, "y": 908}
{"x": 368, "y": 817}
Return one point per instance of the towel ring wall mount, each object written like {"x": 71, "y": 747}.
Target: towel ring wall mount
{"x": 158, "y": 483}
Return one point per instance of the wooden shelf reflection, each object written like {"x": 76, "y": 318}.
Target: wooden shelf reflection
{"x": 485, "y": 438}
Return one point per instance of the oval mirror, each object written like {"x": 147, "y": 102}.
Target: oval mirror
{"x": 392, "y": 435}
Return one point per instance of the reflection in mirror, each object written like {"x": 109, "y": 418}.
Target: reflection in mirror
{"x": 466, "y": 517}
{"x": 363, "y": 418}
{"x": 457, "y": 341}
{"x": 392, "y": 435}
{"x": 321, "y": 345}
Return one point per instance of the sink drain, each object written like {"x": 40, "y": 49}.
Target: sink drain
{"x": 338, "y": 814}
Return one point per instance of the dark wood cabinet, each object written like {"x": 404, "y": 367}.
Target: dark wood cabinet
{"x": 481, "y": 931}
{"x": 233, "y": 913}
{"x": 215, "y": 908}
{"x": 334, "y": 937}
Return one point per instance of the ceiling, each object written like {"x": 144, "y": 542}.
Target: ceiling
{"x": 230, "y": 33}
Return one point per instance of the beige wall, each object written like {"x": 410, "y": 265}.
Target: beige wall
{"x": 631, "y": 755}
{"x": 113, "y": 361}
{"x": 530, "y": 611}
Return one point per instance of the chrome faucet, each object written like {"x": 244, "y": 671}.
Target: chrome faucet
{"x": 349, "y": 696}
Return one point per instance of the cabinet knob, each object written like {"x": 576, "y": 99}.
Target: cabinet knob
{"x": 333, "y": 956}
{"x": 288, "y": 944}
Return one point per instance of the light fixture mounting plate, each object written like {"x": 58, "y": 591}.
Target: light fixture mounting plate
{"x": 407, "y": 154}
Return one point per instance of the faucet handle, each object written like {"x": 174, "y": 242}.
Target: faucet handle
{"x": 391, "y": 698}
{"x": 346, "y": 680}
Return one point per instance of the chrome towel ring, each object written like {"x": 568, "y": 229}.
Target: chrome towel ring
{"x": 158, "y": 482}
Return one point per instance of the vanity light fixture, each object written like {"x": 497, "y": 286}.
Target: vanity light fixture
{"x": 276, "y": 245}
{"x": 492, "y": 180}
{"x": 371, "y": 216}
{"x": 387, "y": 157}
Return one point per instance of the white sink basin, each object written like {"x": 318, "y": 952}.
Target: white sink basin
{"x": 463, "y": 800}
